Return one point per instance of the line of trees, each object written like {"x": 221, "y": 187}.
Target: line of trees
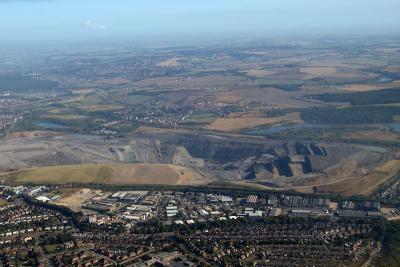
{"x": 363, "y": 98}
{"x": 352, "y": 115}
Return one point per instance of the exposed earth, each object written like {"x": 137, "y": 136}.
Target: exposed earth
{"x": 150, "y": 156}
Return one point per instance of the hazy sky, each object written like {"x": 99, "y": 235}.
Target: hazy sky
{"x": 26, "y": 21}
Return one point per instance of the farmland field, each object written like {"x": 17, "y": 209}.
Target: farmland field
{"x": 64, "y": 117}
{"x": 366, "y": 184}
{"x": 96, "y": 108}
{"x": 369, "y": 87}
{"x": 106, "y": 174}
{"x": 236, "y": 124}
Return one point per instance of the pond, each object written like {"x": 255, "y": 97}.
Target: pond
{"x": 395, "y": 126}
{"x": 50, "y": 125}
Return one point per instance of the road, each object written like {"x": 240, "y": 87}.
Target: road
{"x": 46, "y": 259}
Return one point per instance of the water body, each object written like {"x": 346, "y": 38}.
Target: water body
{"x": 50, "y": 125}
{"x": 395, "y": 127}
{"x": 385, "y": 80}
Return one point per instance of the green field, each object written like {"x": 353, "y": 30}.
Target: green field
{"x": 203, "y": 118}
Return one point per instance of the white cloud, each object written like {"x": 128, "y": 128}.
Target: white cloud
{"x": 93, "y": 26}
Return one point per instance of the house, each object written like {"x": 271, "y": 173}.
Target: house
{"x": 251, "y": 200}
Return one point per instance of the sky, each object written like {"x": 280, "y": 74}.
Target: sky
{"x": 42, "y": 21}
